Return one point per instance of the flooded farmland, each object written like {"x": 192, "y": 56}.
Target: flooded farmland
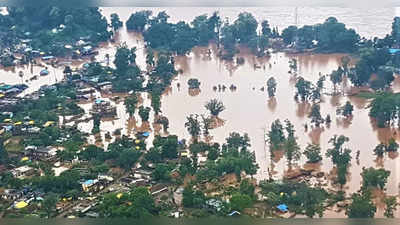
{"x": 248, "y": 109}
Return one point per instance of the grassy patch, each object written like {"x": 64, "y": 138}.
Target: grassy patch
{"x": 14, "y": 145}
{"x": 366, "y": 95}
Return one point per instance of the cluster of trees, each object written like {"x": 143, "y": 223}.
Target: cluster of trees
{"x": 279, "y": 141}
{"x": 308, "y": 91}
{"x": 233, "y": 157}
{"x": 385, "y": 108}
{"x": 373, "y": 68}
{"x": 128, "y": 76}
{"x": 136, "y": 204}
{"x": 130, "y": 103}
{"x": 381, "y": 148}
{"x": 182, "y": 37}
{"x": 299, "y": 197}
{"x": 195, "y": 126}
{"x": 340, "y": 156}
{"x": 51, "y": 27}
{"x": 123, "y": 153}
{"x": 330, "y": 36}
{"x": 346, "y": 110}
{"x": 163, "y": 148}
{"x": 362, "y": 205}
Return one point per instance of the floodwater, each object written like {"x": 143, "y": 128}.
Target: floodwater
{"x": 248, "y": 109}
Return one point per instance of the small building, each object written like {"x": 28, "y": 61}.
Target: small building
{"x": 44, "y": 72}
{"x": 103, "y": 108}
{"x": 11, "y": 194}
{"x": 47, "y": 153}
{"x": 22, "y": 172}
{"x": 89, "y": 184}
{"x": 158, "y": 189}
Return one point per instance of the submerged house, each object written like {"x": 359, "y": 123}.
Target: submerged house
{"x": 103, "y": 108}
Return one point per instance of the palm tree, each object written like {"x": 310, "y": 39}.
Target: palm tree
{"x": 215, "y": 107}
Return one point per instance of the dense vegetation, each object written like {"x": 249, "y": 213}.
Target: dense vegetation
{"x": 51, "y": 28}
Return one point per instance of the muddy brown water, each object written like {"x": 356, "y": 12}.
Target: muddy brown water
{"x": 248, "y": 109}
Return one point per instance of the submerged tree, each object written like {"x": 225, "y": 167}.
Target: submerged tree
{"x": 271, "y": 87}
{"x": 193, "y": 83}
{"x": 315, "y": 115}
{"x": 293, "y": 65}
{"x": 138, "y": 20}
{"x": 130, "y": 104}
{"x": 304, "y": 89}
{"x": 339, "y": 154}
{"x": 150, "y": 58}
{"x": 115, "y": 22}
{"x": 391, "y": 205}
{"x": 206, "y": 121}
{"x": 361, "y": 206}
{"x": 276, "y": 137}
{"x": 336, "y": 77}
{"x": 144, "y": 113}
{"x": 392, "y": 145}
{"x": 346, "y": 110}
{"x": 292, "y": 150}
{"x": 375, "y": 178}
{"x": 193, "y": 126}
{"x": 163, "y": 120}
{"x": 215, "y": 107}
{"x": 313, "y": 153}
{"x": 380, "y": 149}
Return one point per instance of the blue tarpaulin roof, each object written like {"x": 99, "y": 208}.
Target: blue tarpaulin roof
{"x": 44, "y": 72}
{"x": 48, "y": 57}
{"x": 393, "y": 50}
{"x": 146, "y": 134}
{"x": 89, "y": 182}
{"x": 98, "y": 101}
{"x": 282, "y": 207}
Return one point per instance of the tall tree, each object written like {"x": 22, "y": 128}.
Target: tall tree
{"x": 115, "y": 22}
{"x": 49, "y": 204}
{"x": 245, "y": 27}
{"x": 265, "y": 28}
{"x": 276, "y": 137}
{"x": 271, "y": 87}
{"x": 144, "y": 113}
{"x": 315, "y": 115}
{"x": 193, "y": 126}
{"x": 303, "y": 89}
{"x": 138, "y": 20}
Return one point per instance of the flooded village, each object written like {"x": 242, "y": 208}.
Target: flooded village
{"x": 237, "y": 113}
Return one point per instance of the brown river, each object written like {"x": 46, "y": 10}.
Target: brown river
{"x": 248, "y": 109}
